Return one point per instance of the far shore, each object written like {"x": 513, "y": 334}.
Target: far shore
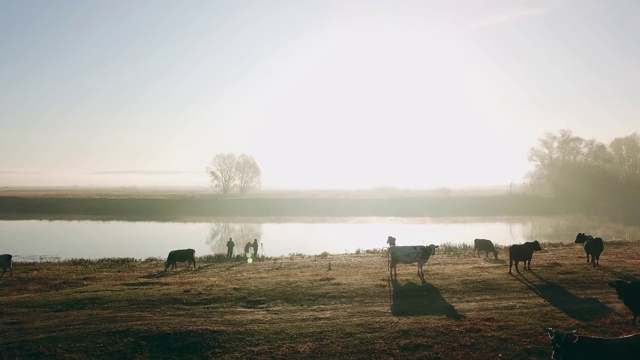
{"x": 191, "y": 204}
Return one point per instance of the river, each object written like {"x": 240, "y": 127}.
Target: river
{"x": 59, "y": 240}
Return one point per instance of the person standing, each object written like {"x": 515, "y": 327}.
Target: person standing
{"x": 255, "y": 248}
{"x": 247, "y": 248}
{"x": 230, "y": 245}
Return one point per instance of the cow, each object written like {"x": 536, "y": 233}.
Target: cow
{"x": 6, "y": 262}
{"x": 175, "y": 256}
{"x": 523, "y": 252}
{"x": 569, "y": 346}
{"x": 410, "y": 255}
{"x": 592, "y": 246}
{"x": 629, "y": 293}
{"x": 486, "y": 246}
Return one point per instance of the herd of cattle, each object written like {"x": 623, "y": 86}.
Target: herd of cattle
{"x": 566, "y": 345}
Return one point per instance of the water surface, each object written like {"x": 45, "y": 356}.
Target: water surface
{"x": 31, "y": 239}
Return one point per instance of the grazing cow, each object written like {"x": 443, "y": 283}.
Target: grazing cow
{"x": 523, "y": 252}
{"x": 391, "y": 241}
{"x": 592, "y": 246}
{"x": 6, "y": 262}
{"x": 188, "y": 255}
{"x": 569, "y": 346}
{"x": 409, "y": 255}
{"x": 629, "y": 293}
{"x": 486, "y": 246}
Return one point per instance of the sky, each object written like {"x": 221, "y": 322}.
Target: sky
{"x": 323, "y": 94}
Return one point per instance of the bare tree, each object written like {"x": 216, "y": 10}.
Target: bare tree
{"x": 222, "y": 173}
{"x": 229, "y": 172}
{"x": 248, "y": 174}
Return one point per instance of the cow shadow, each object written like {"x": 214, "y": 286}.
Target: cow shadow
{"x": 618, "y": 274}
{"x": 155, "y": 275}
{"x": 423, "y": 299}
{"x": 579, "y": 308}
{"x": 497, "y": 261}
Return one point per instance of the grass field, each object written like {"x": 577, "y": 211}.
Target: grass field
{"x": 312, "y": 307}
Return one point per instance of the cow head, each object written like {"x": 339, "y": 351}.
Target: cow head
{"x": 560, "y": 341}
{"x": 433, "y": 248}
{"x": 536, "y": 246}
{"x": 620, "y": 286}
{"x": 581, "y": 238}
{"x": 391, "y": 241}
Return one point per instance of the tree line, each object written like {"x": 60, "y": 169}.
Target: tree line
{"x": 587, "y": 173}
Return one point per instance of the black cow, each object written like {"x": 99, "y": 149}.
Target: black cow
{"x": 569, "y": 346}
{"x": 629, "y": 293}
{"x": 486, "y": 246}
{"x": 523, "y": 252}
{"x": 188, "y": 255}
{"x": 592, "y": 246}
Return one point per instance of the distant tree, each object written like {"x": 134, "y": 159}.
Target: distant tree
{"x": 229, "y": 173}
{"x": 626, "y": 158}
{"x": 248, "y": 174}
{"x": 222, "y": 173}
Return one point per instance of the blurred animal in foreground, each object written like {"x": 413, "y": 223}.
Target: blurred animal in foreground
{"x": 410, "y": 255}
{"x": 592, "y": 246}
{"x": 486, "y": 246}
{"x": 523, "y": 252}
{"x": 569, "y": 346}
{"x": 6, "y": 262}
{"x": 629, "y": 293}
{"x": 188, "y": 255}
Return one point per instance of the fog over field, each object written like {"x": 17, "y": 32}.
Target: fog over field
{"x": 322, "y": 94}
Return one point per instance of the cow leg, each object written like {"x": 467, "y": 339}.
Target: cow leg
{"x": 4, "y": 271}
{"x": 587, "y": 257}
{"x": 510, "y": 265}
{"x": 517, "y": 270}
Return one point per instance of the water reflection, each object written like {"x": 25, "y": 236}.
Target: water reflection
{"x": 241, "y": 233}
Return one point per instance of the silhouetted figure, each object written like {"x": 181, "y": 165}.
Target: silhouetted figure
{"x": 230, "y": 245}
{"x": 247, "y": 248}
{"x": 255, "y": 248}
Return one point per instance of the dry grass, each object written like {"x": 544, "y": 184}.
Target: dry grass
{"x": 295, "y": 307}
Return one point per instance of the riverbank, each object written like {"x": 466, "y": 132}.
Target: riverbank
{"x": 132, "y": 205}
{"x": 312, "y": 307}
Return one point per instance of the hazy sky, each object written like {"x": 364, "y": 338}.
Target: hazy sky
{"x": 323, "y": 94}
